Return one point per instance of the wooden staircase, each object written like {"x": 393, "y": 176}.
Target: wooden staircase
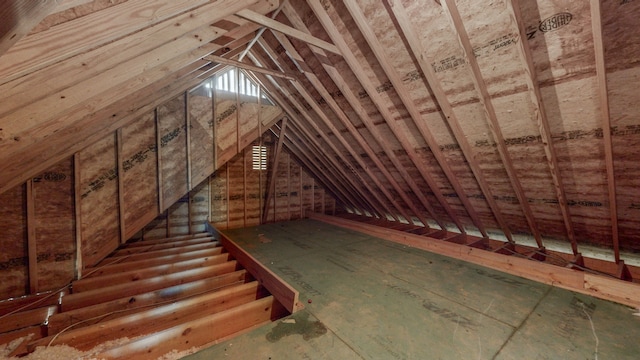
{"x": 149, "y": 298}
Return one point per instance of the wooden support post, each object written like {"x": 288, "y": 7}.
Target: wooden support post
{"x": 189, "y": 211}
{"x": 161, "y": 207}
{"x": 31, "y": 238}
{"x": 485, "y": 99}
{"x": 187, "y": 131}
{"x": 77, "y": 191}
{"x": 121, "y": 209}
{"x": 238, "y": 106}
{"x": 271, "y": 180}
{"x": 244, "y": 185}
{"x": 20, "y": 17}
{"x": 603, "y": 94}
{"x": 214, "y": 125}
{"x": 238, "y": 65}
{"x": 227, "y": 193}
{"x": 260, "y": 32}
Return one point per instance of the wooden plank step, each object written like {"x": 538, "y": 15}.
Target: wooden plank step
{"x": 145, "y": 273}
{"x": 136, "y": 303}
{"x": 166, "y": 239}
{"x": 159, "y": 242}
{"x": 27, "y": 318}
{"x": 199, "y": 332}
{"x": 97, "y": 296}
{"x": 158, "y": 253}
{"x": 162, "y": 246}
{"x": 168, "y": 259}
{"x": 156, "y": 319}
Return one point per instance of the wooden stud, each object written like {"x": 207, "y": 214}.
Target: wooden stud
{"x": 31, "y": 238}
{"x": 324, "y": 137}
{"x": 277, "y": 26}
{"x": 238, "y": 64}
{"x": 227, "y": 195}
{"x": 159, "y": 162}
{"x": 77, "y": 191}
{"x": 543, "y": 123}
{"x": 300, "y": 195}
{"x": 485, "y": 99}
{"x": 121, "y": 207}
{"x": 317, "y": 84}
{"x": 214, "y": 125}
{"x": 271, "y": 180}
{"x": 187, "y": 120}
{"x": 410, "y": 105}
{"x": 603, "y": 94}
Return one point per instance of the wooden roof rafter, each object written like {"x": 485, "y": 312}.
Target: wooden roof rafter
{"x": 402, "y": 137}
{"x": 418, "y": 50}
{"x": 543, "y": 122}
{"x": 349, "y": 147}
{"x": 260, "y": 32}
{"x": 410, "y": 105}
{"x": 603, "y": 94}
{"x": 19, "y": 17}
{"x": 317, "y": 84}
{"x": 274, "y": 90}
{"x": 327, "y": 141}
{"x": 451, "y": 11}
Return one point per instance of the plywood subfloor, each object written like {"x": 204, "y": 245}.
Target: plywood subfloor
{"x": 367, "y": 298}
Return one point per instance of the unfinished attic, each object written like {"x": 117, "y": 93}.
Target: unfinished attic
{"x": 291, "y": 179}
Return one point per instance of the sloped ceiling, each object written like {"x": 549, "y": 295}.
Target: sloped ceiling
{"x": 507, "y": 118}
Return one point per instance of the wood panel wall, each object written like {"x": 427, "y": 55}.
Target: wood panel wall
{"x": 152, "y": 174}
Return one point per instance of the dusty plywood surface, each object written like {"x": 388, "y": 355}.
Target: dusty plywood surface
{"x": 55, "y": 226}
{"x": 13, "y": 258}
{"x": 173, "y": 149}
{"x": 100, "y": 230}
{"x": 377, "y": 298}
{"x": 226, "y": 116}
{"x": 248, "y": 116}
{"x": 140, "y": 167}
{"x": 201, "y": 116}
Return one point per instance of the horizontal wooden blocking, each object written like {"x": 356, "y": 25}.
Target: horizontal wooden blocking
{"x": 156, "y": 319}
{"x": 145, "y": 273}
{"x": 118, "y": 267}
{"x": 97, "y": 296}
{"x": 27, "y": 318}
{"x": 42, "y": 299}
{"x": 286, "y": 295}
{"x": 137, "y": 303}
{"x": 199, "y": 332}
{"x": 457, "y": 239}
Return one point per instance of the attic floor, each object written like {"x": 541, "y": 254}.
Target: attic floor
{"x": 367, "y": 298}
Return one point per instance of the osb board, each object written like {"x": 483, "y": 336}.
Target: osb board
{"x": 226, "y": 117}
{"x": 236, "y": 191}
{"x": 622, "y": 50}
{"x": 13, "y": 242}
{"x": 248, "y": 116}
{"x": 55, "y": 225}
{"x": 219, "y": 202}
{"x": 100, "y": 228}
{"x": 140, "y": 167}
{"x": 307, "y": 191}
{"x": 201, "y": 116}
{"x": 199, "y": 207}
{"x": 318, "y": 199}
{"x": 179, "y": 217}
{"x": 173, "y": 149}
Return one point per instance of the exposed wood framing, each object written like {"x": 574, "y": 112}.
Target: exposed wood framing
{"x": 161, "y": 207}
{"x": 77, "y": 192}
{"x": 418, "y": 51}
{"x": 222, "y": 60}
{"x": 542, "y": 121}
{"x": 274, "y": 169}
{"x": 456, "y": 22}
{"x": 18, "y": 17}
{"x": 319, "y": 87}
{"x": 277, "y": 26}
{"x": 62, "y": 5}
{"x": 334, "y": 165}
{"x": 31, "y": 239}
{"x": 187, "y": 130}
{"x": 260, "y": 32}
{"x": 351, "y": 60}
{"x": 603, "y": 94}
{"x": 316, "y": 108}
